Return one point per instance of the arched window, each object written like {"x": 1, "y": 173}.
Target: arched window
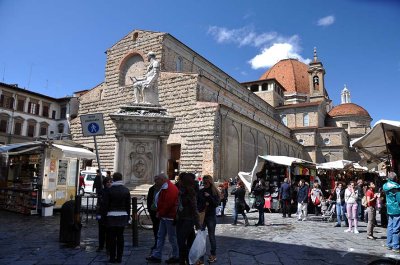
{"x": 306, "y": 120}
{"x": 60, "y": 128}
{"x": 135, "y": 36}
{"x": 316, "y": 80}
{"x": 284, "y": 119}
{"x": 179, "y": 64}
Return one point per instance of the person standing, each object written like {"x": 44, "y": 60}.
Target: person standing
{"x": 151, "y": 207}
{"x": 350, "y": 197}
{"x": 98, "y": 182}
{"x": 209, "y": 197}
{"x": 166, "y": 201}
{"x": 302, "y": 198}
{"x": 392, "y": 192}
{"x": 338, "y": 197}
{"x": 316, "y": 198}
{"x": 117, "y": 206}
{"x": 82, "y": 184}
{"x": 259, "y": 191}
{"x": 102, "y": 218}
{"x": 240, "y": 203}
{"x": 371, "y": 210}
{"x": 285, "y": 196}
{"x": 187, "y": 216}
{"x": 223, "y": 190}
{"x": 360, "y": 195}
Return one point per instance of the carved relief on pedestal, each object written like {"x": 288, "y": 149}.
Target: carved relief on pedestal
{"x": 141, "y": 160}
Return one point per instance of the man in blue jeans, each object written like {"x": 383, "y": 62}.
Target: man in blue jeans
{"x": 338, "y": 197}
{"x": 392, "y": 192}
{"x": 166, "y": 202}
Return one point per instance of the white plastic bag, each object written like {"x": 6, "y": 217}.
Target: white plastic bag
{"x": 198, "y": 248}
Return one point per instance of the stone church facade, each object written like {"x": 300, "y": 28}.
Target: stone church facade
{"x": 220, "y": 126}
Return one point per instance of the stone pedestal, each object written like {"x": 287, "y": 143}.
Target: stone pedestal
{"x": 141, "y": 150}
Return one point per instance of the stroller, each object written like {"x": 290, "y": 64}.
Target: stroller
{"x": 328, "y": 210}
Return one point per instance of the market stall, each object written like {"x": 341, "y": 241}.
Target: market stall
{"x": 381, "y": 144}
{"x": 34, "y": 171}
{"x": 274, "y": 169}
{"x": 341, "y": 170}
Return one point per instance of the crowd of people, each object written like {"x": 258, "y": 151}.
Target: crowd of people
{"x": 178, "y": 209}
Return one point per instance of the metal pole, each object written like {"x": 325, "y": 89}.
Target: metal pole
{"x": 387, "y": 149}
{"x": 135, "y": 232}
{"x": 97, "y": 153}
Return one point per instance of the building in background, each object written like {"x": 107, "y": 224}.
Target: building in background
{"x": 297, "y": 92}
{"x": 26, "y": 115}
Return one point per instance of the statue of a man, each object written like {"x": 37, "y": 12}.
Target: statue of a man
{"x": 149, "y": 80}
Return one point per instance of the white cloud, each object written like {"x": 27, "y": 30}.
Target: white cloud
{"x": 326, "y": 21}
{"x": 273, "y": 47}
{"x": 273, "y": 54}
{"x": 241, "y": 36}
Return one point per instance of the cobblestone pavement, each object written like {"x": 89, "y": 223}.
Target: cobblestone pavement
{"x": 34, "y": 240}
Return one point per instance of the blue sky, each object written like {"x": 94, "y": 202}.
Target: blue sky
{"x": 57, "y": 47}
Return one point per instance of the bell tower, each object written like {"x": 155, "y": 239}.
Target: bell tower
{"x": 316, "y": 74}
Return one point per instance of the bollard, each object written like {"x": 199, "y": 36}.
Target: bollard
{"x": 77, "y": 220}
{"x": 135, "y": 232}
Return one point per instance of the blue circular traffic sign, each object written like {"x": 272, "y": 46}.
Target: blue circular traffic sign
{"x": 93, "y": 127}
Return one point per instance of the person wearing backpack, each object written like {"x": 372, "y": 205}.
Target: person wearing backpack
{"x": 392, "y": 192}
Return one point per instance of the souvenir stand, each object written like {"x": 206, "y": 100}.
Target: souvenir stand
{"x": 34, "y": 171}
{"x": 380, "y": 144}
{"x": 274, "y": 169}
{"x": 340, "y": 170}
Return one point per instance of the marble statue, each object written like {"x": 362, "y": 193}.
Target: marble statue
{"x": 144, "y": 85}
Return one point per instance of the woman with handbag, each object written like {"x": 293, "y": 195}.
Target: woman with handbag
{"x": 316, "y": 197}
{"x": 240, "y": 203}
{"x": 259, "y": 191}
{"x": 208, "y": 201}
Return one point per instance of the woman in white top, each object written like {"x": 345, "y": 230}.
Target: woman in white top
{"x": 350, "y": 197}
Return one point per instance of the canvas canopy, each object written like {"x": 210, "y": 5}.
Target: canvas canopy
{"x": 374, "y": 144}
{"x": 341, "y": 165}
{"x": 247, "y": 177}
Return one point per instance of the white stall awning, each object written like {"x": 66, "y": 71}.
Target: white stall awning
{"x": 75, "y": 152}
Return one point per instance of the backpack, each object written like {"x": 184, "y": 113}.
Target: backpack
{"x": 364, "y": 201}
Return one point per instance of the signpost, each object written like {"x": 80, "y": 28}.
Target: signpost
{"x": 93, "y": 125}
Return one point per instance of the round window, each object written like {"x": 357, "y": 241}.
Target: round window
{"x": 301, "y": 141}
{"x": 327, "y": 141}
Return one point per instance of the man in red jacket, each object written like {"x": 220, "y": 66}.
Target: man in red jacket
{"x": 166, "y": 201}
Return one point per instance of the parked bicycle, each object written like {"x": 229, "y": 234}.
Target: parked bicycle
{"x": 144, "y": 219}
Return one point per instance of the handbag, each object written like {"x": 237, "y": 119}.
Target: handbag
{"x": 317, "y": 201}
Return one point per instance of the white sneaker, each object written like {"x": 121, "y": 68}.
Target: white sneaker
{"x": 304, "y": 219}
{"x": 348, "y": 230}
{"x": 356, "y": 231}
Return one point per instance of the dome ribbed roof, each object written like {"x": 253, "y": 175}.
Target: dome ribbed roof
{"x": 348, "y": 109}
{"x": 291, "y": 73}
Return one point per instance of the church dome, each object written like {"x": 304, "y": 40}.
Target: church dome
{"x": 348, "y": 109}
{"x": 292, "y": 74}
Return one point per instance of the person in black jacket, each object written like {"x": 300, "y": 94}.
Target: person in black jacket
{"x": 98, "y": 182}
{"x": 116, "y": 205}
{"x": 259, "y": 190}
{"x": 152, "y": 208}
{"x": 240, "y": 203}
{"x": 208, "y": 201}
{"x": 101, "y": 217}
{"x": 187, "y": 216}
{"x": 285, "y": 196}
{"x": 302, "y": 199}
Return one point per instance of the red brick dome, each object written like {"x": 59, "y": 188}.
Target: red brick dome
{"x": 291, "y": 73}
{"x": 348, "y": 109}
